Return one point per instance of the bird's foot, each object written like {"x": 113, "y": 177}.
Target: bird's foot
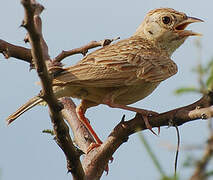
{"x": 145, "y": 113}
{"x": 146, "y": 121}
{"x": 92, "y": 146}
{"x": 84, "y": 120}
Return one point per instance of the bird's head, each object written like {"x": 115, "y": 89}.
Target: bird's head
{"x": 165, "y": 27}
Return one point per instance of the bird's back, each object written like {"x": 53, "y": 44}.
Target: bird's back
{"x": 124, "y": 63}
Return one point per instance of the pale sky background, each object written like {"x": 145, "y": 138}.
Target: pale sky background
{"x": 27, "y": 153}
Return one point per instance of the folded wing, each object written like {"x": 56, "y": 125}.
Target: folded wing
{"x": 125, "y": 63}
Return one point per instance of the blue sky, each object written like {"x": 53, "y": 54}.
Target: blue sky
{"x": 26, "y": 153}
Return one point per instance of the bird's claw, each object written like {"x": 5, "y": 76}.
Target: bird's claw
{"x": 92, "y": 146}
{"x": 146, "y": 121}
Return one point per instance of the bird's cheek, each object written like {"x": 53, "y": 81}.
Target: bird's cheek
{"x": 162, "y": 35}
{"x": 152, "y": 30}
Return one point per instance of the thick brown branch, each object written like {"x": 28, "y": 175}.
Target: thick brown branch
{"x": 93, "y": 161}
{"x": 82, "y": 137}
{"x": 61, "y": 130}
{"x": 10, "y": 50}
{"x": 84, "y": 49}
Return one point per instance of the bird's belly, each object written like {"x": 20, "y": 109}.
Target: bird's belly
{"x": 121, "y": 95}
{"x": 135, "y": 93}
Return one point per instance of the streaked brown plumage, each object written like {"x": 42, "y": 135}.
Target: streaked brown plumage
{"x": 127, "y": 71}
{"x": 127, "y": 63}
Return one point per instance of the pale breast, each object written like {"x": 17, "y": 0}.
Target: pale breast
{"x": 136, "y": 93}
{"x": 123, "y": 95}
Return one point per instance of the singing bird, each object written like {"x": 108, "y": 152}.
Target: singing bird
{"x": 125, "y": 72}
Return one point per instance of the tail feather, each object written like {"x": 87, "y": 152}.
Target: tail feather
{"x": 28, "y": 105}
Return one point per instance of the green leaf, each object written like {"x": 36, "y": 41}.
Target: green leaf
{"x": 153, "y": 156}
{"x": 209, "y": 65}
{"x": 48, "y": 131}
{"x": 209, "y": 173}
{"x": 190, "y": 161}
{"x": 182, "y": 90}
{"x": 199, "y": 69}
{"x": 169, "y": 178}
{"x": 209, "y": 82}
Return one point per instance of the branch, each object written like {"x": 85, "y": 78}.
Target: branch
{"x": 95, "y": 162}
{"x": 93, "y": 166}
{"x": 39, "y": 51}
{"x": 82, "y": 137}
{"x": 84, "y": 49}
{"x": 201, "y": 109}
{"x": 10, "y": 50}
{"x": 22, "y": 53}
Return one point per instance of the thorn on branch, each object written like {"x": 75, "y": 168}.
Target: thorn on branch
{"x": 198, "y": 107}
{"x": 123, "y": 119}
{"x": 32, "y": 66}
{"x": 84, "y": 52}
{"x": 26, "y": 38}
{"x": 41, "y": 95}
{"x": 23, "y": 24}
{"x": 6, "y": 54}
{"x": 172, "y": 122}
{"x": 204, "y": 116}
{"x": 106, "y": 42}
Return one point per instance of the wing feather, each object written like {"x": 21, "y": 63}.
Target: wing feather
{"x": 127, "y": 62}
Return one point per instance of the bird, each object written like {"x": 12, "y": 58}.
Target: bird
{"x": 124, "y": 72}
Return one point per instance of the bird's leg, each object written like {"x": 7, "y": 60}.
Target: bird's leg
{"x": 80, "y": 110}
{"x": 145, "y": 113}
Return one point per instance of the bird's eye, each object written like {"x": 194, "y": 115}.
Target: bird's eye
{"x": 166, "y": 20}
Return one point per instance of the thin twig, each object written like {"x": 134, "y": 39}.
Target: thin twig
{"x": 84, "y": 49}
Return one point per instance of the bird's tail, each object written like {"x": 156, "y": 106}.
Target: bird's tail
{"x": 28, "y": 105}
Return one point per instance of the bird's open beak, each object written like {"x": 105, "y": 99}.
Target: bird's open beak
{"x": 180, "y": 28}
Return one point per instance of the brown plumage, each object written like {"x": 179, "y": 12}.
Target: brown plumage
{"x": 127, "y": 71}
{"x": 127, "y": 64}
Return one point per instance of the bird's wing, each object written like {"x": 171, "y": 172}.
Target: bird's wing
{"x": 156, "y": 68}
{"x": 127, "y": 62}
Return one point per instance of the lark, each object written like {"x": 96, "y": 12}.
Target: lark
{"x": 125, "y": 72}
